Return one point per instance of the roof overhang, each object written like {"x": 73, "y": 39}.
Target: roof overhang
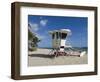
{"x": 67, "y": 31}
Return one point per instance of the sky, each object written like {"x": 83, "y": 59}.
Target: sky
{"x": 42, "y": 24}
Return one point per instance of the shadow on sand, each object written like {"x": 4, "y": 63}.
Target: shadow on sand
{"x": 42, "y": 55}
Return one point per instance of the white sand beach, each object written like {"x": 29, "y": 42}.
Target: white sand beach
{"x": 41, "y": 57}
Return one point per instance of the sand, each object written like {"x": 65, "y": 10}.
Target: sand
{"x": 41, "y": 57}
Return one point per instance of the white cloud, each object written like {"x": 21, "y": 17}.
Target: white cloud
{"x": 34, "y": 26}
{"x": 43, "y": 22}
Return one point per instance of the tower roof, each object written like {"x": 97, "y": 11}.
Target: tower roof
{"x": 67, "y": 31}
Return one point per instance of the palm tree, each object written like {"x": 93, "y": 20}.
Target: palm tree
{"x": 32, "y": 40}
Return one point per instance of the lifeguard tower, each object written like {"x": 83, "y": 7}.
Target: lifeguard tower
{"x": 59, "y": 38}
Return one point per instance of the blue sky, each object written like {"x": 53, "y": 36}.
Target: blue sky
{"x": 41, "y": 25}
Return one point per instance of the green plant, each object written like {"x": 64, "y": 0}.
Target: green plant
{"x": 34, "y": 40}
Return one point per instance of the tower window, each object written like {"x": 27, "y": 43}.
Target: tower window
{"x": 53, "y": 36}
{"x": 57, "y": 36}
{"x": 63, "y": 35}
